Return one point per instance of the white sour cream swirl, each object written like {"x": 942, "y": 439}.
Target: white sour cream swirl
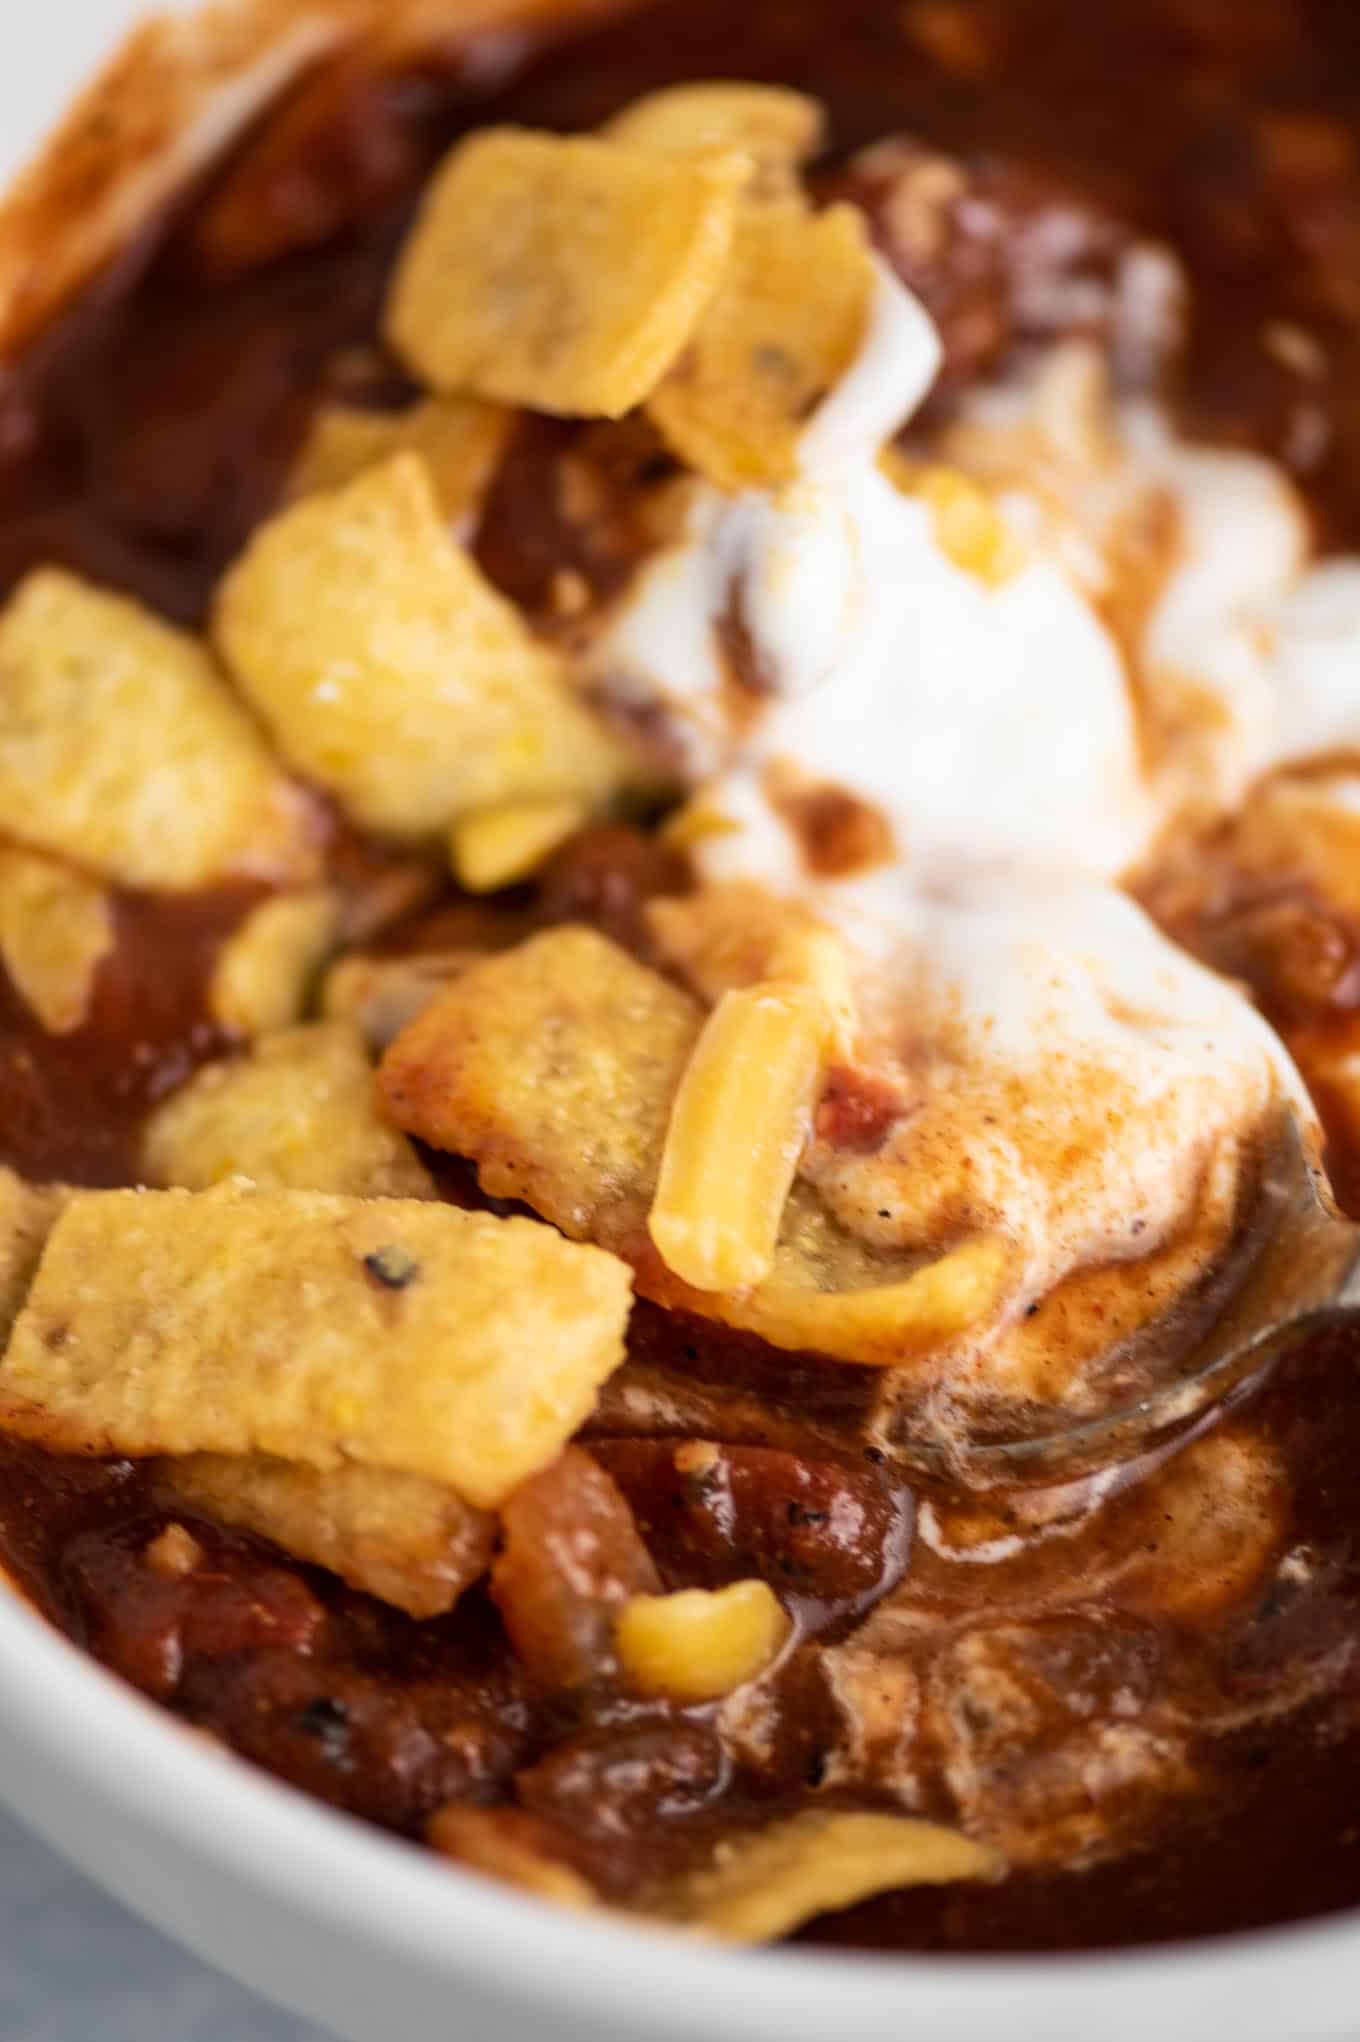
{"x": 1070, "y": 1076}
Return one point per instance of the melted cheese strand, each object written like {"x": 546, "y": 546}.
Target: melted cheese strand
{"x": 737, "y": 1129}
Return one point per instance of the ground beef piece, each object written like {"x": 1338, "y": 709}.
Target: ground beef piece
{"x": 1049, "y": 1736}
{"x": 616, "y": 1782}
{"x": 1005, "y": 257}
{"x": 389, "y": 1749}
{"x": 606, "y": 875}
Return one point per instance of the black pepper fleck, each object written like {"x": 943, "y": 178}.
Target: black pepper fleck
{"x": 327, "y": 1720}
{"x": 392, "y": 1267}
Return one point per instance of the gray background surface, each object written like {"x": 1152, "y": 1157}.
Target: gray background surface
{"x": 74, "y": 1967}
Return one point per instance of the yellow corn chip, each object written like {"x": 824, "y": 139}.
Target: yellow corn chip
{"x": 783, "y": 326}
{"x": 496, "y": 847}
{"x": 28, "y": 1212}
{"x": 882, "y": 1322}
{"x": 509, "y": 1844}
{"x": 300, "y": 1112}
{"x": 265, "y": 967}
{"x": 121, "y": 748}
{"x": 767, "y": 1884}
{"x": 380, "y": 995}
{"x": 409, "y": 1541}
{"x": 460, "y": 439}
{"x": 777, "y": 128}
{"x": 968, "y": 527}
{"x": 56, "y": 927}
{"x": 562, "y": 274}
{"x": 391, "y": 1332}
{"x": 391, "y": 671}
{"x": 554, "y": 1067}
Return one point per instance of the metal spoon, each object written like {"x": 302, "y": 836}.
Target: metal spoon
{"x": 1304, "y": 1276}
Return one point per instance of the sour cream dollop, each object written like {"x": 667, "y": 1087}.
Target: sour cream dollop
{"x": 1068, "y": 1076}
{"x": 891, "y": 671}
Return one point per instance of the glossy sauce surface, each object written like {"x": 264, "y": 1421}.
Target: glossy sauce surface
{"x": 1173, "y": 1703}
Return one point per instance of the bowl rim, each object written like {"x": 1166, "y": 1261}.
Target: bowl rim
{"x": 118, "y": 118}
{"x": 135, "y": 1762}
{"x": 137, "y": 1765}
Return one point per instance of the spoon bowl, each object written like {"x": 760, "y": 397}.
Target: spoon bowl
{"x": 1303, "y": 1275}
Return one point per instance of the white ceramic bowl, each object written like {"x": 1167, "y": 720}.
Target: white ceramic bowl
{"x": 386, "y": 1944}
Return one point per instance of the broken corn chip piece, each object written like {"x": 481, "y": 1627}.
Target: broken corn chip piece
{"x": 300, "y": 1112}
{"x": 561, "y": 274}
{"x": 968, "y": 527}
{"x": 407, "y": 1540}
{"x": 766, "y": 1884}
{"x": 736, "y": 1132}
{"x": 784, "y": 324}
{"x": 776, "y": 127}
{"x": 697, "y": 821}
{"x": 554, "y": 1067}
{"x": 495, "y": 847}
{"x": 122, "y": 749}
{"x": 393, "y": 1332}
{"x": 731, "y": 932}
{"x": 460, "y": 440}
{"x": 56, "y": 928}
{"x": 28, "y": 1212}
{"x": 699, "y": 1644}
{"x": 263, "y": 971}
{"x": 383, "y": 995}
{"x": 811, "y": 954}
{"x": 508, "y": 1844}
{"x": 887, "y": 1323}
{"x": 389, "y": 669}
